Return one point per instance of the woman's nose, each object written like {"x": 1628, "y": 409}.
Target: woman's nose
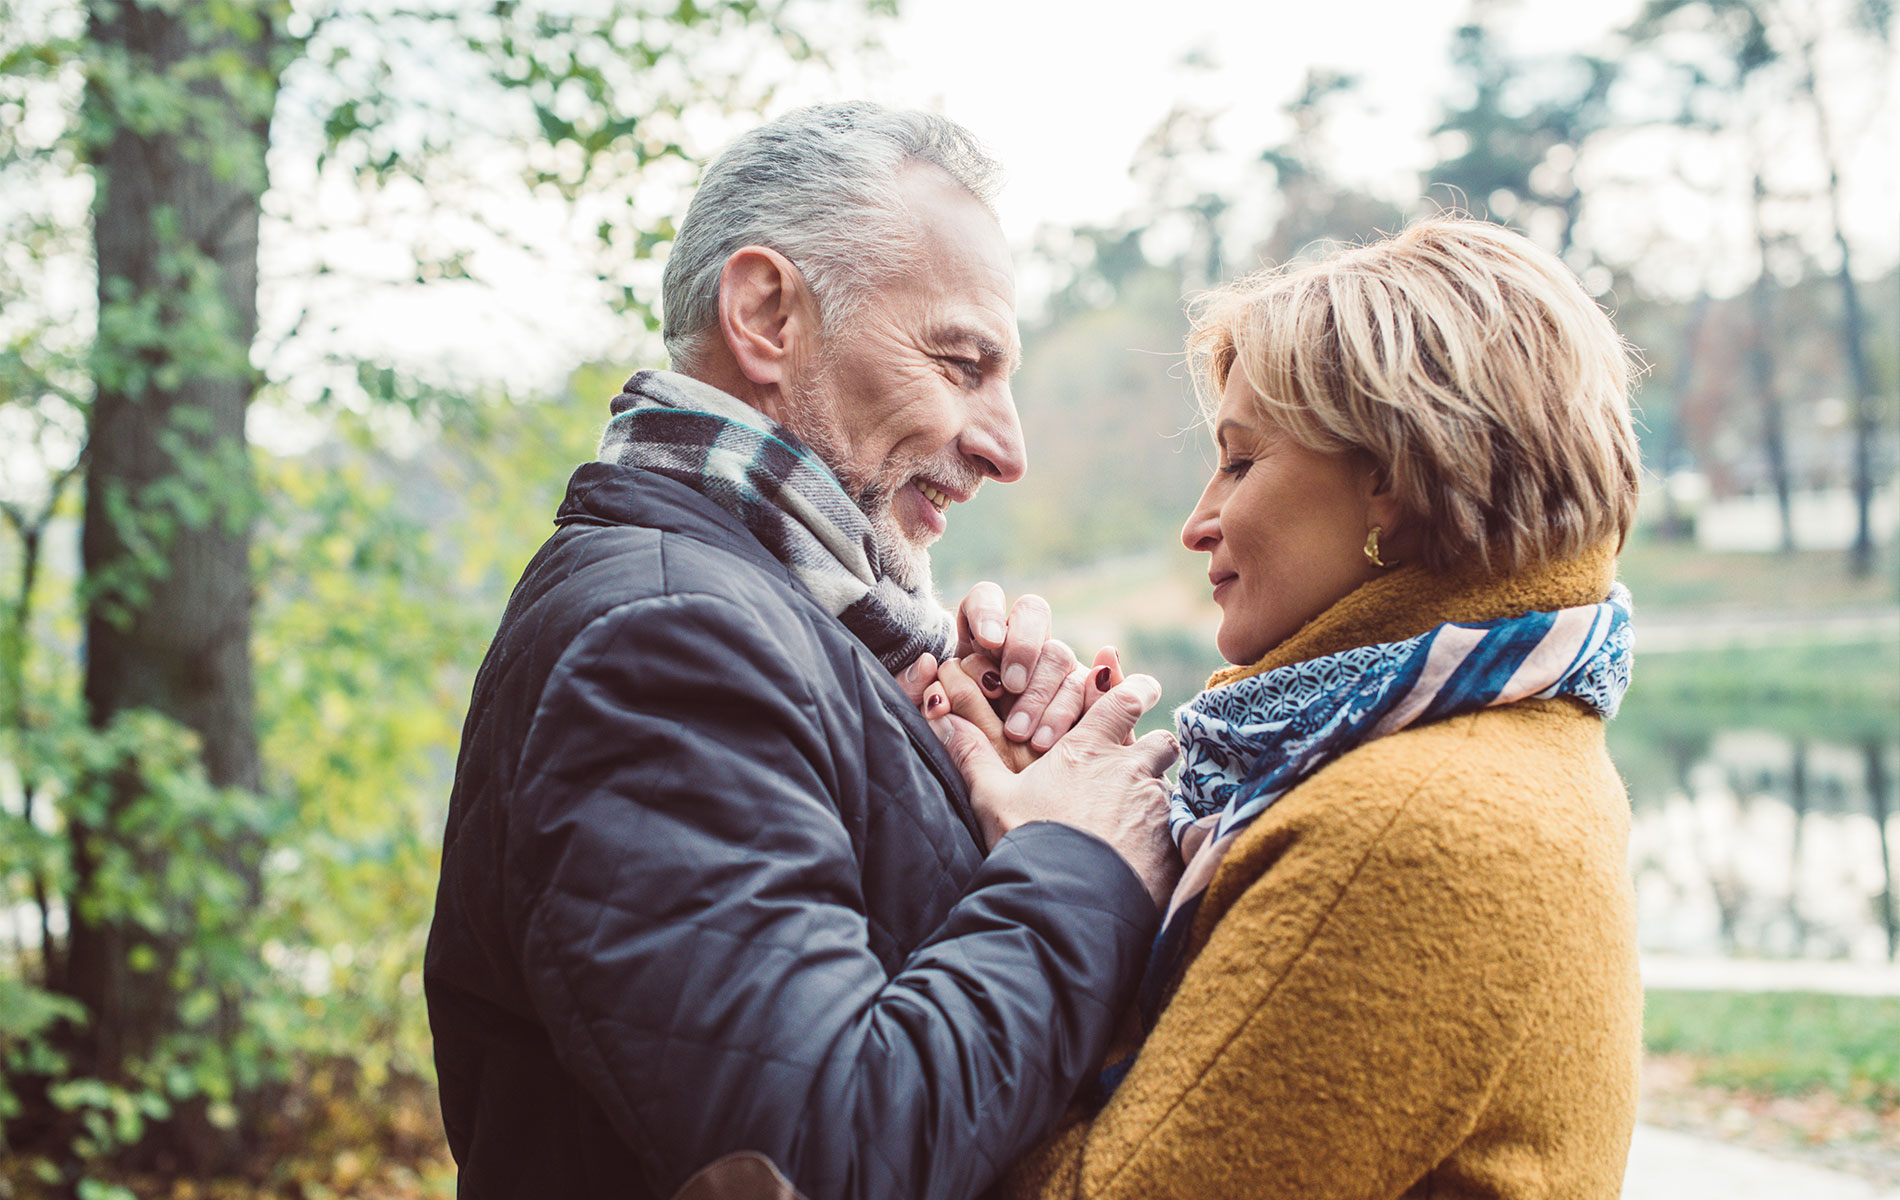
{"x": 1202, "y": 531}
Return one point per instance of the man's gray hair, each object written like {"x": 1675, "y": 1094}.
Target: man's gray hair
{"x": 818, "y": 185}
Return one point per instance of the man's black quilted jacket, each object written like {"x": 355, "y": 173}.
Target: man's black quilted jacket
{"x": 710, "y": 884}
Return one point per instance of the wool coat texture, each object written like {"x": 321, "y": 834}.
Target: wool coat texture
{"x": 1415, "y": 975}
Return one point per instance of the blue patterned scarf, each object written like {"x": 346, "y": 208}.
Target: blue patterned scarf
{"x": 1246, "y": 744}
{"x": 757, "y": 470}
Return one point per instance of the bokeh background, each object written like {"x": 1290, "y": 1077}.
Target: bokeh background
{"x": 309, "y": 307}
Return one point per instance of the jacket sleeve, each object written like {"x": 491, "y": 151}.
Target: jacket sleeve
{"x": 686, "y": 903}
{"x": 1344, "y": 1026}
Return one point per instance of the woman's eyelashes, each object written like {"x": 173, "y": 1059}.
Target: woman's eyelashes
{"x": 1236, "y": 467}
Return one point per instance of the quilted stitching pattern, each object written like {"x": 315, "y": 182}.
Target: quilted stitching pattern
{"x": 708, "y": 887}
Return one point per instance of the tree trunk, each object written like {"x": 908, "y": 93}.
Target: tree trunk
{"x": 1761, "y": 363}
{"x": 1853, "y": 337}
{"x": 1866, "y": 423}
{"x": 1873, "y": 752}
{"x": 168, "y": 491}
{"x": 1798, "y": 801}
{"x": 1676, "y": 525}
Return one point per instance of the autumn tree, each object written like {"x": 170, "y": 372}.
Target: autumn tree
{"x": 156, "y": 159}
{"x": 1753, "y": 71}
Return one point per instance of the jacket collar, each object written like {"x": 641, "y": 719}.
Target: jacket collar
{"x": 608, "y": 494}
{"x": 602, "y": 493}
{"x": 1407, "y": 601}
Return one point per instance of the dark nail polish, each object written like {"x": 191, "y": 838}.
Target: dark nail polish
{"x": 933, "y": 704}
{"x": 1102, "y": 677}
{"x": 992, "y": 682}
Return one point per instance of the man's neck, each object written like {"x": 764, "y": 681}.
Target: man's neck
{"x": 719, "y": 370}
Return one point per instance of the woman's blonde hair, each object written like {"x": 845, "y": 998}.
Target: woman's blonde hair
{"x": 1488, "y": 388}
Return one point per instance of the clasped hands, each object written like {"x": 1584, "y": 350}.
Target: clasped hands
{"x": 1040, "y": 737}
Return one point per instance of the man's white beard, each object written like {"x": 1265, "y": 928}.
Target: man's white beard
{"x": 903, "y": 561}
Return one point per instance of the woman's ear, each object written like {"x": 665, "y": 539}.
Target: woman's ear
{"x": 766, "y": 316}
{"x": 1384, "y": 510}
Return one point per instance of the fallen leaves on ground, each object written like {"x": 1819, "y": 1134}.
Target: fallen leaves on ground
{"x": 1821, "y": 1127}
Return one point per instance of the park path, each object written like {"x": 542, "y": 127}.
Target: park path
{"x": 1836, "y": 978}
{"x": 1666, "y": 1165}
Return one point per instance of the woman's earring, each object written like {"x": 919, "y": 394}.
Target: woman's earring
{"x": 1372, "y": 548}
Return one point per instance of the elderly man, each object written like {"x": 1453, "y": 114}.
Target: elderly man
{"x": 710, "y": 884}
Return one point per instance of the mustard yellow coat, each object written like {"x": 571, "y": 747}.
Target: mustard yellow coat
{"x": 1415, "y": 975}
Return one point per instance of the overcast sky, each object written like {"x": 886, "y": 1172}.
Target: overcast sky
{"x": 1064, "y": 92}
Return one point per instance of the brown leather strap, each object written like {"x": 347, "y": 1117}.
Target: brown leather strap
{"x": 741, "y": 1175}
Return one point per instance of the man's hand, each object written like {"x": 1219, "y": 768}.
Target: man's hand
{"x": 1095, "y": 780}
{"x": 918, "y": 676}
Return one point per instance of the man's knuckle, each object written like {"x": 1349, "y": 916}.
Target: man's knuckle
{"x": 1030, "y": 602}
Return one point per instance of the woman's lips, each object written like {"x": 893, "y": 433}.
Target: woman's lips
{"x": 1221, "y": 583}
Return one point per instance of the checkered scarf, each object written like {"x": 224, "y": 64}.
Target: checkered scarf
{"x": 755, "y": 469}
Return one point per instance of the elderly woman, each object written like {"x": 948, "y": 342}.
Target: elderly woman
{"x": 1401, "y": 960}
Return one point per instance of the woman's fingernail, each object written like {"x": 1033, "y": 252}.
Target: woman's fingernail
{"x": 1019, "y": 725}
{"x": 932, "y": 704}
{"x": 1015, "y": 678}
{"x": 1102, "y": 678}
{"x": 992, "y": 682}
{"x": 990, "y": 631}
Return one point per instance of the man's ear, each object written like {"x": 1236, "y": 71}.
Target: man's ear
{"x": 766, "y": 315}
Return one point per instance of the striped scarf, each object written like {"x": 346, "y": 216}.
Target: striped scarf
{"x": 757, "y": 470}
{"x": 1248, "y": 743}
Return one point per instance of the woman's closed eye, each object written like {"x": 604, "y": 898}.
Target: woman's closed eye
{"x": 1236, "y": 467}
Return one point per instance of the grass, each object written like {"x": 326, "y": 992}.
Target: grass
{"x": 1667, "y": 577}
{"x": 1864, "y": 676}
{"x": 1783, "y": 1043}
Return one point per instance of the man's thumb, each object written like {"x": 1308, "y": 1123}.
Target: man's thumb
{"x": 1115, "y": 715}
{"x": 975, "y": 758}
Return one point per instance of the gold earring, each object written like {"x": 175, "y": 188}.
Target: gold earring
{"x": 1372, "y": 548}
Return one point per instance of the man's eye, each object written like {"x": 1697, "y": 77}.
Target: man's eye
{"x": 969, "y": 369}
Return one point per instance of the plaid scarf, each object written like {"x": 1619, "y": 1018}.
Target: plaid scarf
{"x": 755, "y": 469}
{"x": 1248, "y": 743}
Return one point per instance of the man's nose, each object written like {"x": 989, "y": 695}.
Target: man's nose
{"x": 993, "y": 436}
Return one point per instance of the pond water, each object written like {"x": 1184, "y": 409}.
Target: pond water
{"x": 1773, "y": 833}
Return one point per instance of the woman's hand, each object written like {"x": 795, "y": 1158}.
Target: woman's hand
{"x": 1009, "y": 652}
{"x": 1035, "y": 687}
{"x": 954, "y": 692}
{"x": 1098, "y": 779}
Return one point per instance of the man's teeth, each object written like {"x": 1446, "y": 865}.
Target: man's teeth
{"x": 934, "y": 496}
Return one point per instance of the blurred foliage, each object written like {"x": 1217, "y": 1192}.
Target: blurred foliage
{"x": 269, "y": 989}
{"x": 1783, "y": 1042}
{"x": 379, "y": 581}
